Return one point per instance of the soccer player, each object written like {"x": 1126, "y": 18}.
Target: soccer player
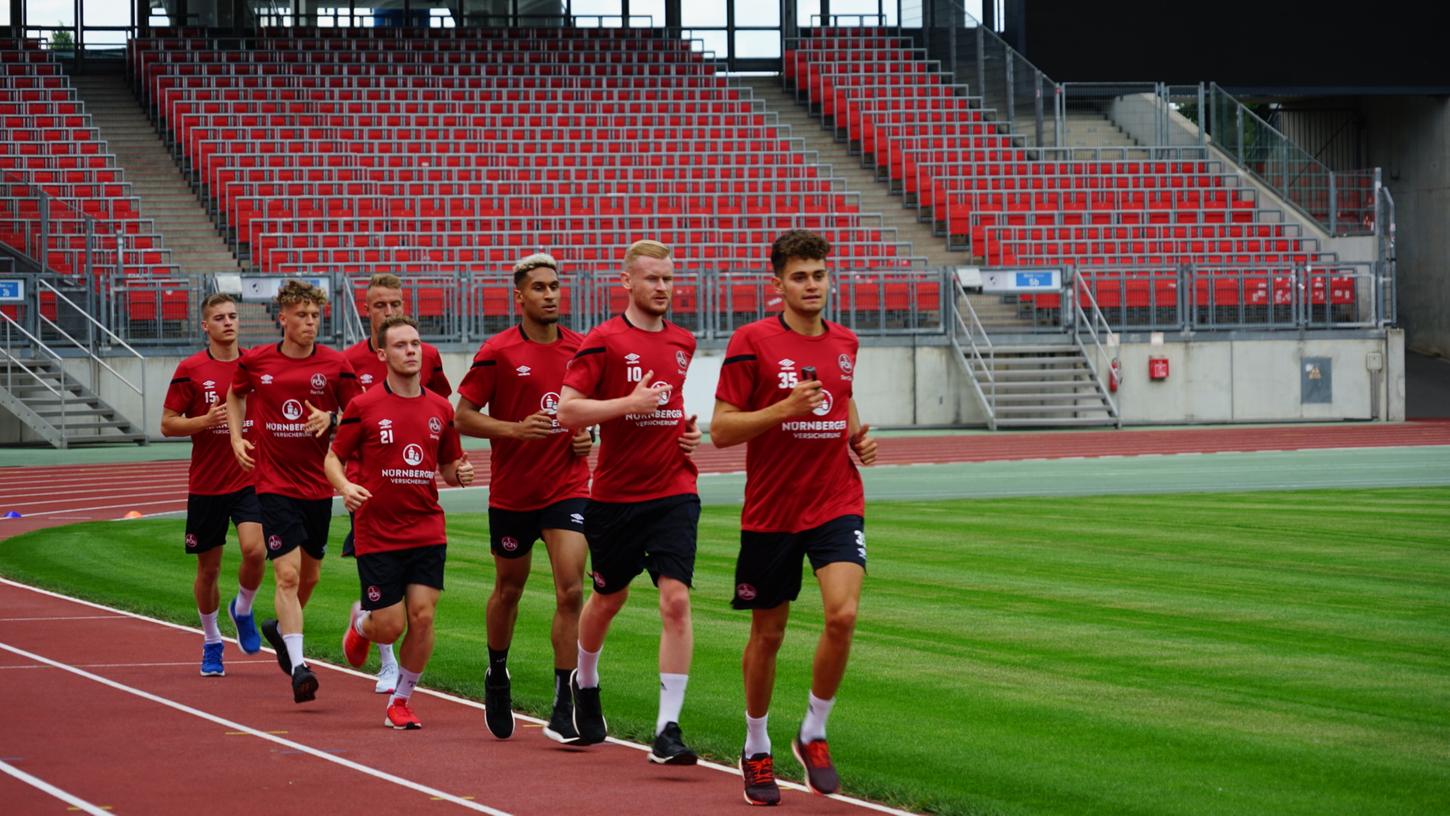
{"x": 294, "y": 388}
{"x": 400, "y": 434}
{"x": 384, "y": 299}
{"x": 217, "y": 487}
{"x": 539, "y": 485}
{"x": 629, "y": 378}
{"x": 786, "y": 389}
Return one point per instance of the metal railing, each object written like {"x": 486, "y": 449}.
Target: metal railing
{"x": 12, "y": 344}
{"x": 109, "y": 341}
{"x": 978, "y": 353}
{"x": 1092, "y": 321}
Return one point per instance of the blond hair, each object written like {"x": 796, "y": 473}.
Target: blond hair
{"x": 645, "y": 249}
{"x": 217, "y": 299}
{"x": 385, "y": 280}
{"x": 293, "y": 292}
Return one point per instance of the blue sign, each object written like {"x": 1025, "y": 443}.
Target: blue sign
{"x": 1036, "y": 280}
{"x": 12, "y": 290}
{"x": 1021, "y": 281}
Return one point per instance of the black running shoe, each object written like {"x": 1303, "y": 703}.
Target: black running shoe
{"x": 498, "y": 711}
{"x": 588, "y": 712}
{"x": 759, "y": 774}
{"x": 670, "y": 748}
{"x": 274, "y": 639}
{"x": 304, "y": 684}
{"x": 561, "y": 723}
{"x": 815, "y": 756}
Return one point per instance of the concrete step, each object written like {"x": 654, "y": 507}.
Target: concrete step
{"x": 1055, "y": 422}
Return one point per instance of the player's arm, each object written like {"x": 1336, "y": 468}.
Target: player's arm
{"x": 732, "y": 425}
{"x": 353, "y": 495}
{"x": 236, "y": 413}
{"x": 472, "y": 421}
{"x": 576, "y": 410}
{"x": 459, "y": 472}
{"x": 861, "y": 440}
{"x": 174, "y": 423}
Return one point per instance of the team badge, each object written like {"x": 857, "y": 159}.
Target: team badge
{"x": 549, "y": 403}
{"x": 191, "y": 541}
{"x": 292, "y": 409}
{"x": 682, "y": 359}
{"x": 745, "y": 592}
{"x": 413, "y": 455}
{"x": 375, "y": 594}
{"x": 435, "y": 424}
{"x": 509, "y": 543}
{"x": 319, "y": 381}
{"x": 825, "y": 407}
{"x": 665, "y": 394}
{"x": 845, "y": 363}
{"x": 598, "y": 580}
{"x": 274, "y": 542}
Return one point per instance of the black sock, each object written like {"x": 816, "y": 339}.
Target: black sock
{"x": 561, "y": 684}
{"x": 498, "y": 660}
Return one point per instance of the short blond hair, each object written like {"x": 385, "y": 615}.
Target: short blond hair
{"x": 385, "y": 280}
{"x": 293, "y": 292}
{"x": 645, "y": 249}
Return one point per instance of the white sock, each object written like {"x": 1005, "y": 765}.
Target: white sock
{"x": 814, "y": 727}
{"x": 589, "y": 667}
{"x": 406, "y": 681}
{"x": 210, "y": 634}
{"x": 244, "y": 600}
{"x": 672, "y": 699}
{"x": 357, "y": 624}
{"x": 757, "y": 739}
{"x": 385, "y": 655}
{"x": 294, "y": 649}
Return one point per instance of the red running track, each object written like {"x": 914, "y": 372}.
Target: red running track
{"x": 117, "y": 716}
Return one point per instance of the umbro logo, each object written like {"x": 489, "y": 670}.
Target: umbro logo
{"x": 365, "y": 379}
{"x": 631, "y": 358}
{"x": 385, "y": 423}
{"x": 209, "y": 384}
{"x": 266, "y": 379}
{"x": 787, "y": 364}
{"x": 523, "y": 371}
{"x": 577, "y": 518}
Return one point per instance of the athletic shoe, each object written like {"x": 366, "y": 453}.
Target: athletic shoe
{"x": 211, "y": 660}
{"x": 304, "y": 684}
{"x": 498, "y": 712}
{"x": 400, "y": 716}
{"x": 759, "y": 774}
{"x": 355, "y": 647}
{"x": 274, "y": 639}
{"x": 815, "y": 755}
{"x": 670, "y": 748}
{"x": 561, "y": 723}
{"x": 589, "y": 721}
{"x": 387, "y": 679}
{"x": 247, "y": 636}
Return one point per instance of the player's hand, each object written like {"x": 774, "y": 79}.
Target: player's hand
{"x": 464, "y": 472}
{"x": 534, "y": 426}
{"x": 864, "y": 445}
{"x": 318, "y": 421}
{"x": 216, "y": 416}
{"x": 690, "y": 439}
{"x": 806, "y": 397}
{"x": 353, "y": 496}
{"x": 583, "y": 442}
{"x": 242, "y": 449}
{"x": 645, "y": 399}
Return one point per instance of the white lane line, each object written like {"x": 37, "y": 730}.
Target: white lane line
{"x": 180, "y": 504}
{"x": 65, "y": 617}
{"x": 136, "y": 665}
{"x": 236, "y": 726}
{"x": 71, "y": 799}
{"x": 860, "y": 803}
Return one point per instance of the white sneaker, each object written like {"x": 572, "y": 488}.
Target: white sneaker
{"x": 387, "y": 679}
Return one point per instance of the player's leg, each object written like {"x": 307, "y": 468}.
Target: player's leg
{"x": 425, "y": 584}
{"x": 512, "y": 535}
{"x": 387, "y": 662}
{"x": 287, "y": 570}
{"x": 567, "y": 554}
{"x": 671, "y": 533}
{"x": 616, "y": 551}
{"x": 204, "y": 589}
{"x": 247, "y": 517}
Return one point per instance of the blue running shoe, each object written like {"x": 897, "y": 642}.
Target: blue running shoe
{"x": 247, "y": 636}
{"x": 211, "y": 660}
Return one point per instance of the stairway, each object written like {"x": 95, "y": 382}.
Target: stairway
{"x": 1048, "y": 383}
{"x": 166, "y": 197}
{"x": 58, "y": 407}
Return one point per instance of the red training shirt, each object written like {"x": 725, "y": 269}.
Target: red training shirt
{"x": 515, "y": 377}
{"x": 399, "y": 443}
{"x": 363, "y": 357}
{"x": 799, "y": 474}
{"x": 289, "y": 459}
{"x": 639, "y": 454}
{"x": 201, "y": 381}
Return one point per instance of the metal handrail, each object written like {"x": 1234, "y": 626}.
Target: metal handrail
{"x": 114, "y": 338}
{"x": 9, "y": 321}
{"x": 971, "y": 328}
{"x": 1082, "y": 320}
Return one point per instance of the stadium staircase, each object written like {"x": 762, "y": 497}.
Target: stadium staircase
{"x": 58, "y": 407}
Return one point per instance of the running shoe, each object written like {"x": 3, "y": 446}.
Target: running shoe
{"x": 211, "y": 660}
{"x": 815, "y": 756}
{"x": 355, "y": 647}
{"x": 387, "y": 678}
{"x": 304, "y": 684}
{"x": 400, "y": 716}
{"x": 274, "y": 639}
{"x": 759, "y": 774}
{"x": 498, "y": 712}
{"x": 561, "y": 723}
{"x": 670, "y": 748}
{"x": 589, "y": 721}
{"x": 247, "y": 636}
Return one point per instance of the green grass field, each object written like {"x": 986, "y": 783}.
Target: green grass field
{"x": 1275, "y": 653}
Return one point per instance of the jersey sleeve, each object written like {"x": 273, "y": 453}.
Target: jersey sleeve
{"x": 242, "y": 379}
{"x": 737, "y": 372}
{"x": 179, "y": 393}
{"x": 478, "y": 384}
{"x": 450, "y": 446}
{"x": 347, "y": 384}
{"x": 586, "y": 370}
{"x": 348, "y": 439}
{"x": 437, "y": 378}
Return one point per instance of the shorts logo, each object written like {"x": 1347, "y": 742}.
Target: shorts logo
{"x": 292, "y": 409}
{"x": 861, "y": 544}
{"x": 682, "y": 359}
{"x": 274, "y": 542}
{"x": 665, "y": 394}
{"x": 745, "y": 592}
{"x": 319, "y": 382}
{"x": 413, "y": 455}
{"x": 598, "y": 579}
{"x": 375, "y": 594}
{"x": 549, "y": 403}
{"x": 825, "y": 407}
{"x": 845, "y": 363}
{"x": 191, "y": 541}
{"x": 509, "y": 543}
{"x": 435, "y": 424}
{"x": 577, "y": 518}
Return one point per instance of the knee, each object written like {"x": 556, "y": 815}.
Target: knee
{"x": 675, "y": 608}
{"x": 508, "y": 593}
{"x": 387, "y": 628}
{"x": 767, "y": 639}
{"x": 569, "y": 597}
{"x": 420, "y": 620}
{"x": 841, "y": 621}
{"x": 207, "y": 574}
{"x": 287, "y": 578}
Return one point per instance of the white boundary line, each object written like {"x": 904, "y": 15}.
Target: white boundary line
{"x": 860, "y": 803}
{"x": 71, "y": 799}
{"x": 236, "y": 726}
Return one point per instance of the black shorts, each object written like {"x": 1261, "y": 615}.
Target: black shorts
{"x": 512, "y": 533}
{"x": 384, "y": 576}
{"x": 289, "y": 523}
{"x": 768, "y": 571}
{"x": 207, "y": 517}
{"x": 627, "y": 539}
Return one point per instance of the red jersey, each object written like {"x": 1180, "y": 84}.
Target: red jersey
{"x": 289, "y": 459}
{"x": 799, "y": 474}
{"x": 399, "y": 442}
{"x": 201, "y": 382}
{"x": 515, "y": 377}
{"x": 639, "y": 454}
{"x": 371, "y": 371}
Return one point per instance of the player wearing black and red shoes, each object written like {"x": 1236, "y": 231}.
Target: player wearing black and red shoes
{"x": 401, "y": 435}
{"x": 628, "y": 377}
{"x": 293, "y": 390}
{"x": 786, "y": 390}
{"x": 384, "y": 299}
{"x": 218, "y": 490}
{"x": 539, "y": 485}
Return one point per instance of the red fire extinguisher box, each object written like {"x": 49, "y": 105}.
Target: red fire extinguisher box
{"x": 1157, "y": 368}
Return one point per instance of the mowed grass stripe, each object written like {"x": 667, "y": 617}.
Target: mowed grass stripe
{"x": 1187, "y": 653}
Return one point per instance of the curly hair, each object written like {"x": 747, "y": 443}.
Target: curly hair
{"x": 799, "y": 244}
{"x": 293, "y": 292}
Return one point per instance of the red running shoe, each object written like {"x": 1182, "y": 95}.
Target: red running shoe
{"x": 820, "y": 771}
{"x": 400, "y": 716}
{"x": 759, "y": 774}
{"x": 354, "y": 646}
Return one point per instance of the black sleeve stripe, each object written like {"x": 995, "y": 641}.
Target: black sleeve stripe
{"x": 348, "y": 420}
{"x": 180, "y": 380}
{"x": 346, "y": 375}
{"x": 739, "y": 358}
{"x": 594, "y": 350}
{"x": 481, "y": 363}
